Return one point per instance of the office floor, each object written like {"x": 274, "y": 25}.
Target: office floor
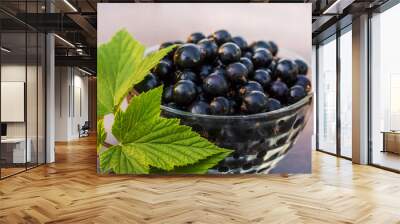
{"x": 387, "y": 159}
{"x": 70, "y": 191}
{"x": 8, "y": 171}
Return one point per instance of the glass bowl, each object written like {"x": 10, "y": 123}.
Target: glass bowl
{"x": 259, "y": 141}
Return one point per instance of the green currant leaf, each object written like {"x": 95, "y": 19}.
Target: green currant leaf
{"x": 120, "y": 161}
{"x": 147, "y": 140}
{"x": 202, "y": 166}
{"x": 101, "y": 134}
{"x": 121, "y": 65}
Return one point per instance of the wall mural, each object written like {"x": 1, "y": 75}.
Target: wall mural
{"x": 204, "y": 88}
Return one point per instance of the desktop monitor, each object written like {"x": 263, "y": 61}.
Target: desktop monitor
{"x": 3, "y": 129}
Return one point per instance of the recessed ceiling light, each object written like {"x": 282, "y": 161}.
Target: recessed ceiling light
{"x": 70, "y": 5}
{"x": 64, "y": 40}
{"x": 84, "y": 71}
{"x": 5, "y": 50}
{"x": 338, "y": 6}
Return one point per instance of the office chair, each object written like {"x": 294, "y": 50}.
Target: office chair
{"x": 84, "y": 130}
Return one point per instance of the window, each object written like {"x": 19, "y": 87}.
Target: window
{"x": 327, "y": 96}
{"x": 346, "y": 92}
{"x": 385, "y": 89}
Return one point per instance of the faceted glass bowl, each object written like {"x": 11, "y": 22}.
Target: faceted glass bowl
{"x": 259, "y": 141}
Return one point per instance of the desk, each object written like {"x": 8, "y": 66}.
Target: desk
{"x": 16, "y": 148}
{"x": 391, "y": 141}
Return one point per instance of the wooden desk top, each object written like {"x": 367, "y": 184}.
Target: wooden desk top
{"x": 391, "y": 132}
{"x": 14, "y": 140}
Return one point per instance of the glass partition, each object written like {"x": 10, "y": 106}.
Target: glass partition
{"x": 22, "y": 77}
{"x": 41, "y": 97}
{"x": 346, "y": 93}
{"x": 14, "y": 153}
{"x": 32, "y": 97}
{"x": 326, "y": 98}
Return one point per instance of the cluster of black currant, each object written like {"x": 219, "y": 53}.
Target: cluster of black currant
{"x": 223, "y": 75}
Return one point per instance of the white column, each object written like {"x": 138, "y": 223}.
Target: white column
{"x": 360, "y": 90}
{"x": 50, "y": 92}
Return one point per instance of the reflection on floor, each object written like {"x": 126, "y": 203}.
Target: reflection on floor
{"x": 9, "y": 170}
{"x": 387, "y": 159}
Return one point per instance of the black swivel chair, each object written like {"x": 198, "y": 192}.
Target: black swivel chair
{"x": 84, "y": 130}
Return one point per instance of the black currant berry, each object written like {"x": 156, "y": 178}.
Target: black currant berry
{"x": 163, "y": 69}
{"x": 167, "y": 44}
{"x": 237, "y": 73}
{"x": 259, "y": 44}
{"x": 184, "y": 92}
{"x": 273, "y": 47}
{"x": 229, "y": 52}
{"x": 247, "y": 54}
{"x": 186, "y": 75}
{"x": 178, "y": 42}
{"x": 195, "y": 37}
{"x": 220, "y": 71}
{"x": 204, "y": 71}
{"x": 188, "y": 56}
{"x": 296, "y": 93}
{"x": 200, "y": 107}
{"x": 209, "y": 48}
{"x": 249, "y": 87}
{"x": 218, "y": 64}
{"x": 302, "y": 66}
{"x": 247, "y": 62}
{"x": 279, "y": 90}
{"x": 223, "y": 75}
{"x": 254, "y": 102}
{"x": 302, "y": 80}
{"x": 202, "y": 96}
{"x": 233, "y": 107}
{"x": 263, "y": 76}
{"x": 167, "y": 94}
{"x": 149, "y": 82}
{"x": 262, "y": 58}
{"x": 272, "y": 68}
{"x": 220, "y": 106}
{"x": 287, "y": 71}
{"x": 215, "y": 85}
{"x": 241, "y": 42}
{"x": 273, "y": 104}
{"x": 221, "y": 36}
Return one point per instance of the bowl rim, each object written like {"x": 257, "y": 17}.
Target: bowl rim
{"x": 298, "y": 104}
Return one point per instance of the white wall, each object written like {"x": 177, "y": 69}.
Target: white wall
{"x": 12, "y": 73}
{"x": 71, "y": 102}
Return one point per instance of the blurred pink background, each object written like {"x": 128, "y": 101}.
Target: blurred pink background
{"x": 288, "y": 25}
